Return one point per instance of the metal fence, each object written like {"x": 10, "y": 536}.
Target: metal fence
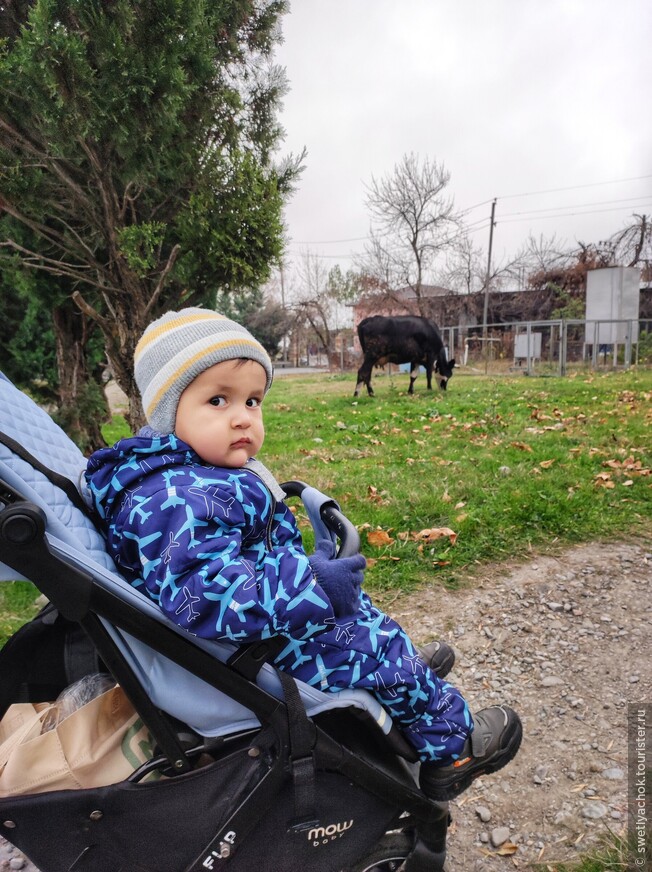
{"x": 549, "y": 347}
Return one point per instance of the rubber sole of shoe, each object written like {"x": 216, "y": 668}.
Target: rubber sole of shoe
{"x": 450, "y": 787}
{"x": 444, "y": 661}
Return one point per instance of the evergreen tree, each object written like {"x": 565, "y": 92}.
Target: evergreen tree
{"x": 137, "y": 141}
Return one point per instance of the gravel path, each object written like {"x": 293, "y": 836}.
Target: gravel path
{"x": 566, "y": 641}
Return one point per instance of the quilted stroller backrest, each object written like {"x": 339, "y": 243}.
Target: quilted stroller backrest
{"x": 73, "y": 534}
{"x": 23, "y": 421}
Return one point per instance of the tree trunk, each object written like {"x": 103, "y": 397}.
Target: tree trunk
{"x": 121, "y": 331}
{"x": 83, "y": 405}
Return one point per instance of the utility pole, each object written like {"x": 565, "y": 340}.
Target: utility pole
{"x": 492, "y": 224}
{"x": 285, "y": 343}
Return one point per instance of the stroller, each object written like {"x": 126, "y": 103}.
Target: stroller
{"x": 261, "y": 772}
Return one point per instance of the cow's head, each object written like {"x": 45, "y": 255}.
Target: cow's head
{"x": 444, "y": 369}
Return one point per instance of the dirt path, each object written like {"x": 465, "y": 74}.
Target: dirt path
{"x": 566, "y": 641}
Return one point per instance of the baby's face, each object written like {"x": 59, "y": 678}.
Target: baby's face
{"x": 219, "y": 414}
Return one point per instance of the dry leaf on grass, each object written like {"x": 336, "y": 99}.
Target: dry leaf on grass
{"x": 432, "y": 534}
{"x": 379, "y": 538}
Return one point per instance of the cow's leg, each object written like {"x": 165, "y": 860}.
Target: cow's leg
{"x": 364, "y": 377}
{"x": 414, "y": 372}
{"x": 430, "y": 365}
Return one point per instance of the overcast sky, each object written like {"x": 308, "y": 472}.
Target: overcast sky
{"x": 514, "y": 96}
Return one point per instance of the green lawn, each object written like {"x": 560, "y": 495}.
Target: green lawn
{"x": 442, "y": 483}
{"x": 507, "y": 465}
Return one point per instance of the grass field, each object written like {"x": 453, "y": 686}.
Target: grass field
{"x": 442, "y": 483}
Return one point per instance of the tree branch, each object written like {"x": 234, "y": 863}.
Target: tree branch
{"x": 55, "y": 165}
{"x": 35, "y": 260}
{"x": 161, "y": 282}
{"x": 92, "y": 313}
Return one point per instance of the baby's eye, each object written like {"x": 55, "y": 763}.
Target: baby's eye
{"x": 252, "y": 402}
{"x": 217, "y": 401}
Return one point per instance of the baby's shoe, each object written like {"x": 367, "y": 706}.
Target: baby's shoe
{"x": 439, "y": 656}
{"x": 495, "y": 739}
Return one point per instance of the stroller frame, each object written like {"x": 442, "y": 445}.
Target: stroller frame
{"x": 327, "y": 793}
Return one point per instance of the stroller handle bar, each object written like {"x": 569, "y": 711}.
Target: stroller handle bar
{"x": 333, "y": 519}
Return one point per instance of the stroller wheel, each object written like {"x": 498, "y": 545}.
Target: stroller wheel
{"x": 388, "y": 855}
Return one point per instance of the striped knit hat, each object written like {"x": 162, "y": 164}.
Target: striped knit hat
{"x": 178, "y": 347}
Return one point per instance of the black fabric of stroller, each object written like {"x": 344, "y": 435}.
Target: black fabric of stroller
{"x": 95, "y": 830}
{"x": 132, "y": 827}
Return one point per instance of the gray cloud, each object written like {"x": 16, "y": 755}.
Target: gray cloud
{"x": 512, "y": 95}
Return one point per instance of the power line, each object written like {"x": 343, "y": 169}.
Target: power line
{"x": 570, "y": 214}
{"x": 574, "y": 187}
{"x": 628, "y": 200}
{"x": 475, "y": 226}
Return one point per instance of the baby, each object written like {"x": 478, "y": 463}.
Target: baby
{"x": 194, "y": 520}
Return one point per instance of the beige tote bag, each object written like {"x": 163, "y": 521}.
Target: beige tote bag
{"x": 100, "y": 743}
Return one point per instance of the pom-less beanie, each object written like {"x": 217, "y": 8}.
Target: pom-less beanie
{"x": 178, "y": 347}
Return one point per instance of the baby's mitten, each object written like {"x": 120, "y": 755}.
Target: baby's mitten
{"x": 340, "y": 579}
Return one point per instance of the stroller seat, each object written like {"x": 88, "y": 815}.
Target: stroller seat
{"x": 349, "y": 751}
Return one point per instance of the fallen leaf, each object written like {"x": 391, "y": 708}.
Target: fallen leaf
{"x": 432, "y": 534}
{"x": 523, "y": 446}
{"x": 507, "y": 849}
{"x": 546, "y": 464}
{"x": 446, "y": 498}
{"x": 379, "y": 538}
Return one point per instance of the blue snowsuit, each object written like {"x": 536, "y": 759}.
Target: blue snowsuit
{"x": 224, "y": 559}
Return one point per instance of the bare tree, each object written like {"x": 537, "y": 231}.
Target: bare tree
{"x": 632, "y": 246}
{"x": 314, "y": 302}
{"x": 544, "y": 253}
{"x": 413, "y": 222}
{"x": 465, "y": 269}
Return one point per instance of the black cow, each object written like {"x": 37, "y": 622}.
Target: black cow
{"x": 402, "y": 339}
